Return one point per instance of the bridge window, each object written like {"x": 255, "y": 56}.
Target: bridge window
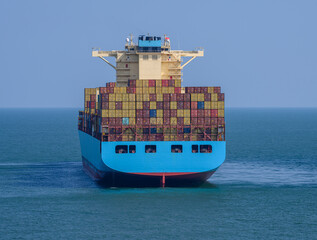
{"x": 145, "y": 57}
{"x": 177, "y": 148}
{"x": 194, "y": 148}
{"x": 154, "y": 57}
{"x": 150, "y": 148}
{"x": 132, "y": 149}
{"x": 121, "y": 149}
{"x": 205, "y": 149}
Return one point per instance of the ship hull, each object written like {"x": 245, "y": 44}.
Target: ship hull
{"x": 141, "y": 169}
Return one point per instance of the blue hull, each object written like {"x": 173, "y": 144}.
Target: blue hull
{"x": 141, "y": 169}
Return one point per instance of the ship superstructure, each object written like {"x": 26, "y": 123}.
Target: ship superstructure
{"x": 145, "y": 129}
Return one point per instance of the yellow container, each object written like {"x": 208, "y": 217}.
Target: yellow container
{"x": 131, "y": 105}
{"x": 172, "y": 137}
{"x": 159, "y": 121}
{"x": 173, "y": 121}
{"x": 146, "y": 97}
{"x": 125, "y": 138}
{"x": 138, "y": 90}
{"x": 92, "y": 111}
{"x": 118, "y": 97}
{"x": 221, "y": 113}
{"x": 173, "y": 105}
{"x": 145, "y": 90}
{"x": 112, "y": 105}
{"x": 171, "y": 89}
{"x": 221, "y": 105}
{"x": 87, "y": 97}
{"x": 165, "y": 90}
{"x": 214, "y": 97}
{"x": 139, "y": 105}
{"x": 151, "y": 89}
{"x": 159, "y": 113}
{"x": 104, "y": 113}
{"x": 116, "y": 89}
{"x": 210, "y": 89}
{"x": 138, "y": 83}
{"x": 125, "y": 113}
{"x": 158, "y": 83}
{"x": 214, "y": 105}
{"x": 194, "y": 97}
{"x": 201, "y": 97}
{"x": 112, "y": 97}
{"x": 125, "y": 105}
{"x": 158, "y": 90}
{"x": 186, "y": 120}
{"x": 207, "y": 105}
{"x": 187, "y": 113}
{"x": 131, "y": 97}
{"x": 145, "y": 83}
{"x": 131, "y": 121}
{"x": 132, "y": 113}
{"x": 123, "y": 89}
{"x": 139, "y": 97}
{"x": 159, "y": 97}
{"x": 166, "y": 137}
{"x": 153, "y": 121}
{"x": 180, "y": 113}
{"x": 178, "y": 83}
{"x": 125, "y": 97}
{"x": 112, "y": 113}
{"x": 118, "y": 113}
{"x": 152, "y": 105}
{"x": 86, "y": 104}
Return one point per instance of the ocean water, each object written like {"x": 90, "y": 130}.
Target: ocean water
{"x": 266, "y": 189}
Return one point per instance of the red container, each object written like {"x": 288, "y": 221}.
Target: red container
{"x": 107, "y": 84}
{"x": 119, "y": 105}
{"x": 102, "y": 90}
{"x": 119, "y": 138}
{"x": 204, "y": 90}
{"x": 208, "y": 121}
{"x": 173, "y": 97}
{"x": 159, "y": 105}
{"x": 104, "y": 121}
{"x": 166, "y": 105}
{"x": 112, "y": 84}
{"x": 159, "y": 137}
{"x": 201, "y": 113}
{"x": 180, "y": 137}
{"x": 139, "y": 113}
{"x": 221, "y": 96}
{"x": 166, "y": 97}
{"x": 146, "y": 121}
{"x": 180, "y": 97}
{"x": 186, "y": 105}
{"x": 112, "y": 137}
{"x": 221, "y": 121}
{"x": 151, "y": 83}
{"x": 167, "y": 121}
{"x": 93, "y": 98}
{"x": 194, "y": 113}
{"x": 112, "y": 121}
{"x": 207, "y": 96}
{"x": 105, "y": 97}
{"x": 190, "y": 90}
{"x": 177, "y": 90}
{"x": 132, "y": 83}
{"x": 180, "y": 105}
{"x": 139, "y": 121}
{"x": 152, "y": 96}
{"x": 186, "y": 97}
{"x": 197, "y": 89}
{"x": 104, "y": 105}
{"x": 146, "y": 105}
{"x": 152, "y": 137}
{"x": 165, "y": 83}
{"x": 111, "y": 90}
{"x": 171, "y": 83}
{"x": 146, "y": 113}
{"x": 201, "y": 121}
{"x": 173, "y": 113}
{"x": 193, "y": 105}
{"x": 193, "y": 120}
{"x": 214, "y": 121}
{"x": 93, "y": 105}
{"x": 166, "y": 113}
{"x": 180, "y": 121}
{"x": 214, "y": 112}
{"x": 217, "y": 90}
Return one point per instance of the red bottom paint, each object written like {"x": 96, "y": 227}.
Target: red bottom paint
{"x": 113, "y": 178}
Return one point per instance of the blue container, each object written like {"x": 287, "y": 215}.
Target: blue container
{"x": 186, "y": 130}
{"x": 152, "y": 113}
{"x": 125, "y": 121}
{"x": 153, "y": 130}
{"x": 200, "y": 105}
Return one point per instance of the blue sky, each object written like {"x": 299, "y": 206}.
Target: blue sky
{"x": 262, "y": 53}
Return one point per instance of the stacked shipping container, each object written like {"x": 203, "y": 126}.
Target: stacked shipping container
{"x": 153, "y": 110}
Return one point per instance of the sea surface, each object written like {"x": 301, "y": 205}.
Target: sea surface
{"x": 266, "y": 189}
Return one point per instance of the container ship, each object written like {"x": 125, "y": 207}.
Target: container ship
{"x": 146, "y": 129}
